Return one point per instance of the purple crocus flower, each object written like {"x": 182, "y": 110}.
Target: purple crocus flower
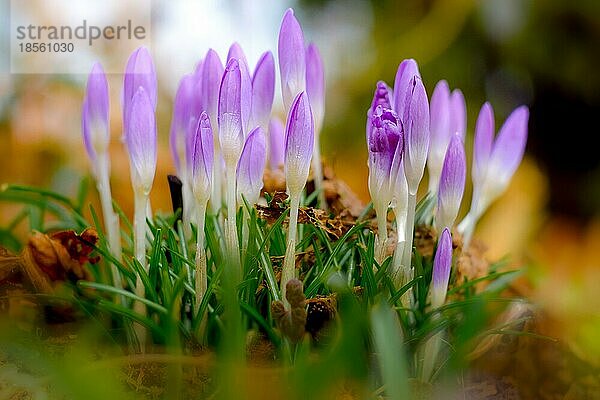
{"x": 452, "y": 184}
{"x": 292, "y": 58}
{"x": 402, "y": 84}
{"x": 251, "y": 167}
{"x": 383, "y": 136}
{"x": 180, "y": 122}
{"x": 231, "y": 133}
{"x": 276, "y": 143}
{"x": 416, "y": 133}
{"x": 440, "y": 132}
{"x": 506, "y": 154}
{"x": 442, "y": 263}
{"x": 95, "y": 114}
{"x": 140, "y": 138}
{"x": 482, "y": 145}
{"x": 139, "y": 72}
{"x": 210, "y": 80}
{"x": 236, "y": 53}
{"x": 315, "y": 84}
{"x": 458, "y": 114}
{"x": 299, "y": 140}
{"x": 201, "y": 158}
{"x": 263, "y": 90}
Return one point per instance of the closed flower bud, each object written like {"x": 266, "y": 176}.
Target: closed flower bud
{"x": 452, "y": 184}
{"x": 263, "y": 90}
{"x": 442, "y": 263}
{"x": 315, "y": 84}
{"x": 201, "y": 156}
{"x": 95, "y": 114}
{"x": 299, "y": 140}
{"x": 251, "y": 167}
{"x": 292, "y": 58}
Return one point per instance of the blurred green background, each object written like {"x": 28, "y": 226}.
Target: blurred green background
{"x": 544, "y": 54}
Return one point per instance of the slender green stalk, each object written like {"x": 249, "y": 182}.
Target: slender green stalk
{"x": 216, "y": 198}
{"x": 396, "y": 272}
{"x": 231, "y": 239}
{"x": 410, "y": 229}
{"x": 382, "y": 235}
{"x": 188, "y": 204}
{"x": 318, "y": 173}
{"x": 201, "y": 280}
{"x": 111, "y": 220}
{"x": 289, "y": 262}
{"x": 430, "y": 353}
{"x": 139, "y": 239}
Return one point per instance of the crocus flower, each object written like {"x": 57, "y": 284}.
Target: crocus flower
{"x": 452, "y": 184}
{"x": 315, "y": 84}
{"x": 276, "y": 143}
{"x": 292, "y": 58}
{"x": 299, "y": 140}
{"x": 236, "y": 53}
{"x": 440, "y": 132}
{"x": 210, "y": 80}
{"x": 139, "y": 72}
{"x": 442, "y": 263}
{"x": 506, "y": 155}
{"x": 140, "y": 138}
{"x": 251, "y": 167}
{"x": 263, "y": 90}
{"x": 231, "y": 134}
{"x": 180, "y": 122}
{"x": 95, "y": 114}
{"x": 201, "y": 159}
{"x": 416, "y": 131}
{"x": 494, "y": 161}
{"x": 403, "y": 83}
{"x": 458, "y": 114}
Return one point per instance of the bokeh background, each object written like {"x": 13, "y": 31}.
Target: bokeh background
{"x": 545, "y": 54}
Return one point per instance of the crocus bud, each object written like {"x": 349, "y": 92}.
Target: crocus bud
{"x": 210, "y": 80}
{"x": 402, "y": 84}
{"x": 94, "y": 118}
{"x": 416, "y": 133}
{"x": 506, "y": 155}
{"x": 140, "y": 138}
{"x": 263, "y": 90}
{"x": 442, "y": 263}
{"x": 299, "y": 140}
{"x": 292, "y": 58}
{"x": 139, "y": 72}
{"x": 440, "y": 132}
{"x": 276, "y": 143}
{"x": 315, "y": 84}
{"x": 383, "y": 136}
{"x": 201, "y": 156}
{"x": 482, "y": 144}
{"x": 236, "y": 53}
{"x": 458, "y": 114}
{"x": 251, "y": 167}
{"x": 180, "y": 122}
{"x": 452, "y": 184}
{"x": 231, "y": 134}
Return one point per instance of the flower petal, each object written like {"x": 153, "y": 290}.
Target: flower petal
{"x": 458, "y": 114}
{"x": 482, "y": 144}
{"x": 406, "y": 71}
{"x": 251, "y": 167}
{"x": 263, "y": 90}
{"x": 276, "y": 143}
{"x": 139, "y": 72}
{"x": 416, "y": 133}
{"x": 231, "y": 134}
{"x": 141, "y": 141}
{"x": 452, "y": 184}
{"x": 292, "y": 58}
{"x": 180, "y": 121}
{"x": 442, "y": 263}
{"x": 201, "y": 156}
{"x": 315, "y": 84}
{"x": 440, "y": 132}
{"x": 299, "y": 141}
{"x": 210, "y": 80}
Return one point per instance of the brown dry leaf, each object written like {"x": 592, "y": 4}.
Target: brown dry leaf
{"x": 291, "y": 322}
{"x": 50, "y": 259}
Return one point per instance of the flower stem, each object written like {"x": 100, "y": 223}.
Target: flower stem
{"x": 289, "y": 263}
{"x": 111, "y": 220}
{"x": 409, "y": 235}
{"x": 201, "y": 282}
{"x": 231, "y": 239}
{"x": 139, "y": 239}
{"x": 397, "y": 273}
{"x": 318, "y": 173}
{"x": 382, "y": 235}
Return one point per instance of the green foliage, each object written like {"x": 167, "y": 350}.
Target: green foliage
{"x": 376, "y": 323}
